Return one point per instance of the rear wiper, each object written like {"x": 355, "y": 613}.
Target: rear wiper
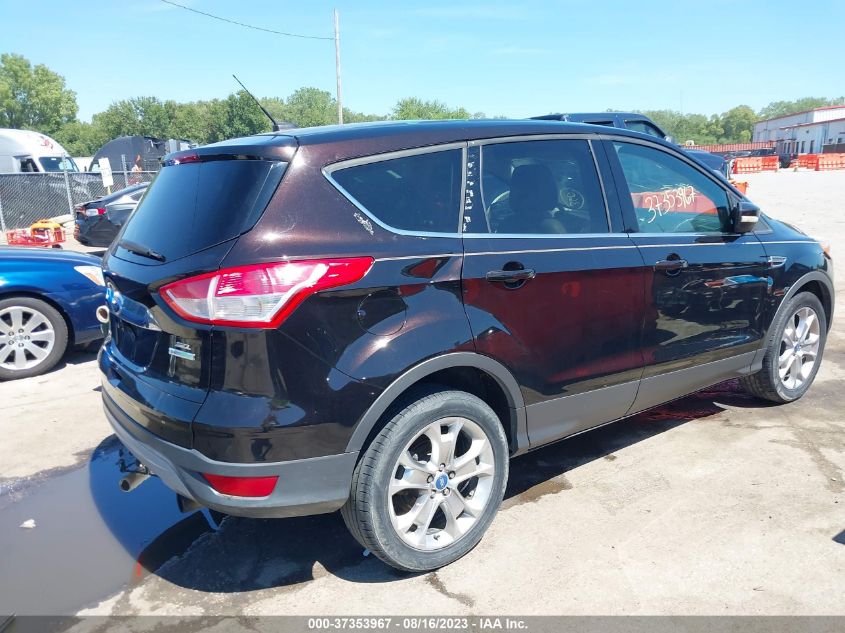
{"x": 140, "y": 249}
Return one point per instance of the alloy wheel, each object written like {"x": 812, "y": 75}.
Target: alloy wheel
{"x": 799, "y": 348}
{"x": 441, "y": 483}
{"x": 26, "y": 338}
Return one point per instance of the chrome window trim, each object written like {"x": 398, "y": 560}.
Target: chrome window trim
{"x": 328, "y": 170}
{"x": 684, "y": 245}
{"x": 699, "y": 234}
{"x": 552, "y": 250}
{"x": 513, "y": 236}
{"x": 789, "y": 241}
{"x": 508, "y": 252}
{"x": 529, "y": 137}
{"x": 534, "y": 236}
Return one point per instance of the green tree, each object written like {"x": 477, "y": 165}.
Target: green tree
{"x": 683, "y": 127}
{"x": 237, "y": 115}
{"x": 714, "y": 126}
{"x": 737, "y": 124}
{"x": 415, "y": 108}
{"x": 80, "y": 138}
{"x": 277, "y": 108}
{"x": 145, "y": 116}
{"x": 33, "y": 98}
{"x": 311, "y": 106}
{"x": 350, "y": 116}
{"x": 782, "y": 108}
{"x": 734, "y": 126}
{"x": 191, "y": 121}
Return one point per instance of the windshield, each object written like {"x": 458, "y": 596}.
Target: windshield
{"x": 57, "y": 163}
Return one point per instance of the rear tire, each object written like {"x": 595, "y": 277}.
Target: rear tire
{"x": 33, "y": 337}
{"x": 793, "y": 353}
{"x": 428, "y": 486}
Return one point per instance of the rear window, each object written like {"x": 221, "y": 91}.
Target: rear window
{"x": 420, "y": 193}
{"x": 193, "y": 206}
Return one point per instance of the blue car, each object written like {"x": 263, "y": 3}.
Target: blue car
{"x": 48, "y": 302}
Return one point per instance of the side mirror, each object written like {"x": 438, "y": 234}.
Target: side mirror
{"x": 745, "y": 216}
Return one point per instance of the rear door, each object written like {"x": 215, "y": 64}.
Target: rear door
{"x": 553, "y": 288}
{"x": 706, "y": 285}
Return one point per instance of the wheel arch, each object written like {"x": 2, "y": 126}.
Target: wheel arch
{"x": 467, "y": 371}
{"x": 71, "y": 336}
{"x": 817, "y": 283}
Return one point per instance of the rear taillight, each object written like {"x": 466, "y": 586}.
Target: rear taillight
{"x": 259, "y": 295}
{"x": 94, "y": 212}
{"x": 242, "y": 486}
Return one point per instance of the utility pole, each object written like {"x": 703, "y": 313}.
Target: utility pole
{"x": 337, "y": 68}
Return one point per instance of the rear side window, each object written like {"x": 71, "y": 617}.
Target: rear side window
{"x": 193, "y": 206}
{"x": 418, "y": 193}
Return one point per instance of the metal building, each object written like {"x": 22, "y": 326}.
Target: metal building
{"x": 809, "y": 132}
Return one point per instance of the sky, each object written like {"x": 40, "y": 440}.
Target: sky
{"x": 504, "y": 58}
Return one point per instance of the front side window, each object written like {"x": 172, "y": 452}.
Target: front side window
{"x": 669, "y": 195}
{"x": 538, "y": 187}
{"x": 420, "y": 193}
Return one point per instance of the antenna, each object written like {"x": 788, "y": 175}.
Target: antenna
{"x": 277, "y": 127}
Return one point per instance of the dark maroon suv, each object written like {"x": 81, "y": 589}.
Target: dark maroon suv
{"x": 375, "y": 317}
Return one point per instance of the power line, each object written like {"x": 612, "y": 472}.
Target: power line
{"x": 248, "y": 26}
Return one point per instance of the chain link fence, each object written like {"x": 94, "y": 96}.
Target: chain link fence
{"x": 26, "y": 198}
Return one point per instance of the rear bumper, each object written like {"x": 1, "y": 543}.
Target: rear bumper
{"x": 306, "y": 486}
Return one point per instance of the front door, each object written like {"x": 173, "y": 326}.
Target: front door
{"x": 706, "y": 284}
{"x": 550, "y": 291}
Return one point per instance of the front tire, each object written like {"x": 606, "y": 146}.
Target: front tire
{"x": 793, "y": 353}
{"x": 33, "y": 337}
{"x": 430, "y": 483}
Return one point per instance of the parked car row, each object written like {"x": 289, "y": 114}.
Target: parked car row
{"x": 376, "y": 317}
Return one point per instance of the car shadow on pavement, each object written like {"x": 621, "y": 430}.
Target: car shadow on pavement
{"x": 533, "y": 475}
{"x": 76, "y": 356}
{"x": 239, "y": 554}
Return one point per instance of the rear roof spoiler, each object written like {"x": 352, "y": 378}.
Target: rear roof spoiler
{"x": 279, "y": 147}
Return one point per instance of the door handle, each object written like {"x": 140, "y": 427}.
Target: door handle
{"x": 671, "y": 265}
{"x": 506, "y": 276}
